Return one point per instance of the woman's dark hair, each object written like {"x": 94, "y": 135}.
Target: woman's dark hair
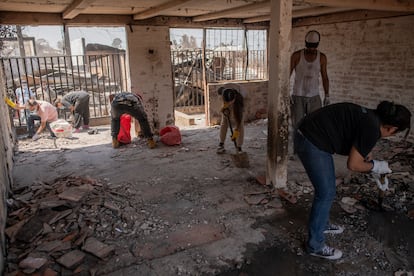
{"x": 230, "y": 94}
{"x": 394, "y": 115}
{"x": 57, "y": 101}
{"x": 30, "y": 103}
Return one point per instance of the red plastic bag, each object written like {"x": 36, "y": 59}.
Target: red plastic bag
{"x": 124, "y": 135}
{"x": 170, "y": 135}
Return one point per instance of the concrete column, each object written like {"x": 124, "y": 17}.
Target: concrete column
{"x": 278, "y": 94}
{"x": 149, "y": 61}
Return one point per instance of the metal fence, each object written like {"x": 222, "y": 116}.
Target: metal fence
{"x": 46, "y": 78}
{"x": 220, "y": 65}
{"x": 230, "y": 54}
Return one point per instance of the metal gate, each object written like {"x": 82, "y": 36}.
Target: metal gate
{"x": 220, "y": 65}
{"x": 230, "y": 54}
{"x": 46, "y": 78}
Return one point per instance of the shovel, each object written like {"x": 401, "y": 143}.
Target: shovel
{"x": 240, "y": 159}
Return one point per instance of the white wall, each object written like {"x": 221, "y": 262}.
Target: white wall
{"x": 150, "y": 68}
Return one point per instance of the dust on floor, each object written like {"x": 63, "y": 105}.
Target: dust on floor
{"x": 80, "y": 206}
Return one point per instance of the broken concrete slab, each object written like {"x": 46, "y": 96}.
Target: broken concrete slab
{"x": 71, "y": 259}
{"x": 32, "y": 263}
{"x": 49, "y": 246}
{"x": 76, "y": 193}
{"x": 30, "y": 230}
{"x": 97, "y": 248}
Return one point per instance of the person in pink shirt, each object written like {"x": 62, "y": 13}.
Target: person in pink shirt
{"x": 45, "y": 112}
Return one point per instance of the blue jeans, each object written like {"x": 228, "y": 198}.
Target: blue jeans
{"x": 320, "y": 168}
{"x": 31, "y": 123}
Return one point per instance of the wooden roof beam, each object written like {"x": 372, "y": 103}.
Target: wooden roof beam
{"x": 379, "y": 5}
{"x": 255, "y": 19}
{"x": 154, "y": 11}
{"x": 221, "y": 14}
{"x": 75, "y": 8}
{"x": 316, "y": 11}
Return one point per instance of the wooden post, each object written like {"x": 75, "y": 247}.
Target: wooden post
{"x": 278, "y": 92}
{"x": 20, "y": 40}
{"x": 205, "y": 84}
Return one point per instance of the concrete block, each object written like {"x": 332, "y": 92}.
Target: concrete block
{"x": 71, "y": 259}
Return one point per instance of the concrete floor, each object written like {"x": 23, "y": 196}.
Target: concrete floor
{"x": 189, "y": 211}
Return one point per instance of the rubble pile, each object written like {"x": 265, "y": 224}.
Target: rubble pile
{"x": 400, "y": 196}
{"x": 357, "y": 192}
{"x": 63, "y": 228}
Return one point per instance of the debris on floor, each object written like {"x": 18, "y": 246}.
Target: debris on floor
{"x": 185, "y": 210}
{"x": 61, "y": 226}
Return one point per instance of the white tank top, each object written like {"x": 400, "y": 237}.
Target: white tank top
{"x": 307, "y": 76}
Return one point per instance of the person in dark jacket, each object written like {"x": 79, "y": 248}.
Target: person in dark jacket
{"x": 132, "y": 104}
{"x": 346, "y": 129}
{"x": 78, "y": 104}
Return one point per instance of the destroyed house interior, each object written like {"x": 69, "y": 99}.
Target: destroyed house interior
{"x": 192, "y": 155}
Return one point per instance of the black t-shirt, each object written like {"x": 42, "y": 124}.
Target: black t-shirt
{"x": 337, "y": 127}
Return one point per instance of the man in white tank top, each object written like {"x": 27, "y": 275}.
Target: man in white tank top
{"x": 308, "y": 63}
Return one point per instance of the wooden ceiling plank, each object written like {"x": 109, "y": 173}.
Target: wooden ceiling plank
{"x": 75, "y": 8}
{"x": 358, "y": 15}
{"x": 221, "y": 14}
{"x": 379, "y": 5}
{"x": 154, "y": 11}
{"x": 317, "y": 11}
{"x": 255, "y": 19}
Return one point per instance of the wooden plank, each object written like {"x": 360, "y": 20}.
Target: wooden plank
{"x": 229, "y": 12}
{"x": 380, "y": 5}
{"x": 151, "y": 12}
{"x": 75, "y": 8}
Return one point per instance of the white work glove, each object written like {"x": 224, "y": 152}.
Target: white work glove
{"x": 36, "y": 137}
{"x": 326, "y": 101}
{"x": 380, "y": 167}
{"x": 382, "y": 185}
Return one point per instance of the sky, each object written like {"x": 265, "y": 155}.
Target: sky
{"x": 100, "y": 35}
{"x": 106, "y": 35}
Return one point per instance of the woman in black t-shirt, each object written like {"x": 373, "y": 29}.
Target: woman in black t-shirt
{"x": 345, "y": 129}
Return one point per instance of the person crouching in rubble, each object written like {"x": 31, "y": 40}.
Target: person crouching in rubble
{"x": 345, "y": 129}
{"x": 44, "y": 111}
{"x": 77, "y": 102}
{"x": 232, "y": 115}
{"x": 126, "y": 102}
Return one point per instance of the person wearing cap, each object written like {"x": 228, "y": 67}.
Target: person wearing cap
{"x": 308, "y": 64}
{"x": 232, "y": 113}
{"x": 77, "y": 102}
{"x": 132, "y": 104}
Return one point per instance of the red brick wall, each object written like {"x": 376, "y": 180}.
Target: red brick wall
{"x": 368, "y": 61}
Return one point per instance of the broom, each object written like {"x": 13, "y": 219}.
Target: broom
{"x": 240, "y": 159}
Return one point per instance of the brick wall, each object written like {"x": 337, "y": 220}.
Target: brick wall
{"x": 255, "y": 101}
{"x": 368, "y": 61}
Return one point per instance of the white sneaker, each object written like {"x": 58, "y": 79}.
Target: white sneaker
{"x": 220, "y": 150}
{"x": 327, "y": 252}
{"x": 334, "y": 229}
